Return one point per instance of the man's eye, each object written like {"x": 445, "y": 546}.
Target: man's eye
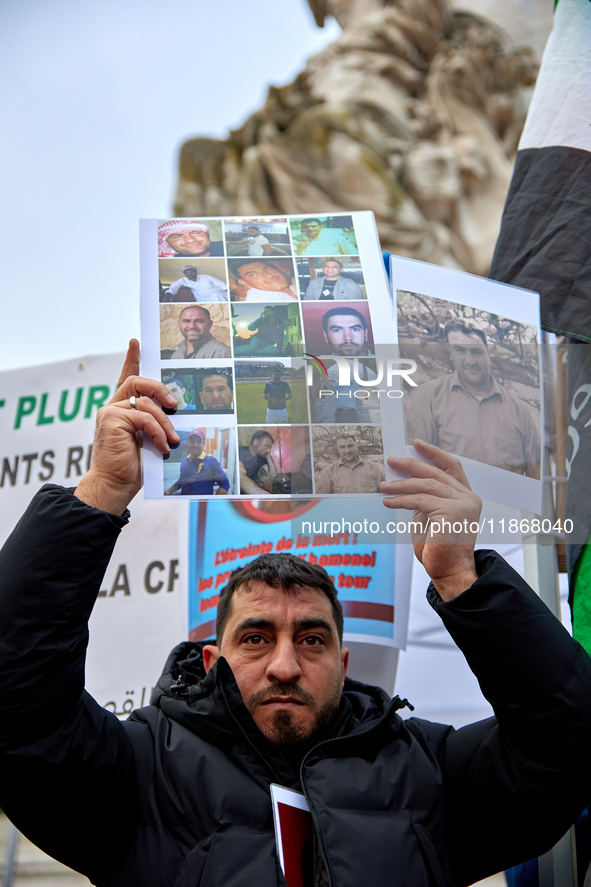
{"x": 313, "y": 640}
{"x": 254, "y": 640}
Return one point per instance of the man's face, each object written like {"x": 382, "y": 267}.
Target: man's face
{"x": 177, "y": 392}
{"x": 191, "y": 242}
{"x": 269, "y": 315}
{"x": 470, "y": 358}
{"x": 194, "y": 324}
{"x": 194, "y": 446}
{"x": 191, "y": 273}
{"x": 311, "y": 229}
{"x": 263, "y": 276}
{"x": 347, "y": 450}
{"x": 253, "y": 232}
{"x": 215, "y": 393}
{"x": 263, "y": 446}
{"x": 331, "y": 270}
{"x": 346, "y": 334}
{"x": 284, "y": 652}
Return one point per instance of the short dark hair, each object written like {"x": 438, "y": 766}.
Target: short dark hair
{"x": 310, "y": 220}
{"x": 256, "y": 228}
{"x": 460, "y": 326}
{"x": 342, "y": 312}
{"x": 201, "y": 308}
{"x": 347, "y": 437}
{"x": 174, "y": 380}
{"x": 284, "y": 571}
{"x": 207, "y": 375}
{"x": 259, "y": 435}
{"x": 235, "y": 264}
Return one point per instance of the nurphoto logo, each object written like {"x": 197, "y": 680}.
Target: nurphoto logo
{"x": 386, "y": 370}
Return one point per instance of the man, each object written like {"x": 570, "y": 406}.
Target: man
{"x": 331, "y": 285}
{"x": 265, "y": 281}
{"x": 216, "y": 394}
{"x": 345, "y": 329}
{"x": 468, "y": 413}
{"x": 196, "y": 287}
{"x": 179, "y": 793}
{"x": 190, "y": 239}
{"x": 269, "y": 333}
{"x": 318, "y": 241}
{"x": 258, "y": 245}
{"x": 277, "y": 393}
{"x": 195, "y": 324}
{"x": 350, "y": 473}
{"x": 199, "y": 472}
{"x": 178, "y": 391}
{"x": 344, "y": 406}
{"x": 256, "y": 464}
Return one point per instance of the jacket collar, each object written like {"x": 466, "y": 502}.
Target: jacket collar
{"x": 211, "y": 707}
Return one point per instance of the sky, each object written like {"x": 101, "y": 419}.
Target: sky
{"x": 97, "y": 99}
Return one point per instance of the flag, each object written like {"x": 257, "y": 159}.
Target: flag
{"x": 545, "y": 245}
{"x": 578, "y": 489}
{"x": 545, "y": 238}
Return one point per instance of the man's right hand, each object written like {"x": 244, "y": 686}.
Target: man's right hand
{"x": 114, "y": 476}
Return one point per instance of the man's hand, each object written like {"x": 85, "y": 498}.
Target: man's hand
{"x": 439, "y": 493}
{"x": 115, "y": 474}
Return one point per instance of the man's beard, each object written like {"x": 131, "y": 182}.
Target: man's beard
{"x": 284, "y": 731}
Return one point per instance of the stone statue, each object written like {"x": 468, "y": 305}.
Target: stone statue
{"x": 414, "y": 112}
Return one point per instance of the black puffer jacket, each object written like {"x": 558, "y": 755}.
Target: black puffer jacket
{"x": 179, "y": 794}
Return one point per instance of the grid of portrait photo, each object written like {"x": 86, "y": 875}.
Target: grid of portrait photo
{"x": 235, "y": 312}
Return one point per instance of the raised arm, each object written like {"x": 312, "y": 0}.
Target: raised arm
{"x": 514, "y": 783}
{"x": 67, "y": 774}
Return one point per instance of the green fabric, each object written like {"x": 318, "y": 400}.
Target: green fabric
{"x": 581, "y": 584}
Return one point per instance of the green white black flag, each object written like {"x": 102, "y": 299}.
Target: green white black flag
{"x": 545, "y": 238}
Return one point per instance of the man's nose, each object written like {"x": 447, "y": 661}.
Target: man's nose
{"x": 283, "y": 665}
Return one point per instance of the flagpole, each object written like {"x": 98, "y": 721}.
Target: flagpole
{"x": 557, "y": 868}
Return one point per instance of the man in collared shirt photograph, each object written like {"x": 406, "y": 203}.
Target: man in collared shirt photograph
{"x": 349, "y": 472}
{"x": 195, "y": 323}
{"x": 468, "y": 413}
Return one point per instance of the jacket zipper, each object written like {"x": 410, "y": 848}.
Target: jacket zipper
{"x": 246, "y": 736}
{"x": 397, "y": 703}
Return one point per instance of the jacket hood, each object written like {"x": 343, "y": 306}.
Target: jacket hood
{"x": 184, "y": 684}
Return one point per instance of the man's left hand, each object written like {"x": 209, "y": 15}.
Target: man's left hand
{"x": 441, "y": 497}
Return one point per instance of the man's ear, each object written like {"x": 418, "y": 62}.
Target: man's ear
{"x": 325, "y": 337}
{"x": 211, "y": 654}
{"x": 366, "y": 333}
{"x": 344, "y": 661}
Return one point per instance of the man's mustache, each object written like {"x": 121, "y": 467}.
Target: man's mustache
{"x": 278, "y": 689}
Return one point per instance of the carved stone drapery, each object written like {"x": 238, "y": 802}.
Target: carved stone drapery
{"x": 414, "y": 112}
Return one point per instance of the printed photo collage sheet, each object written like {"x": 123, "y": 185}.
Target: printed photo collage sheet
{"x": 291, "y": 362}
{"x": 246, "y": 321}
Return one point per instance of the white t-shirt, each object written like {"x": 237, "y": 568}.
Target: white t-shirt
{"x": 254, "y": 295}
{"x": 255, "y": 245}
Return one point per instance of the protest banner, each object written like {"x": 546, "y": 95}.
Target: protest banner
{"x": 372, "y": 575}
{"x": 46, "y": 426}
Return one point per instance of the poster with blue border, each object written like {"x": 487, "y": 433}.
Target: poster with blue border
{"x": 372, "y": 577}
